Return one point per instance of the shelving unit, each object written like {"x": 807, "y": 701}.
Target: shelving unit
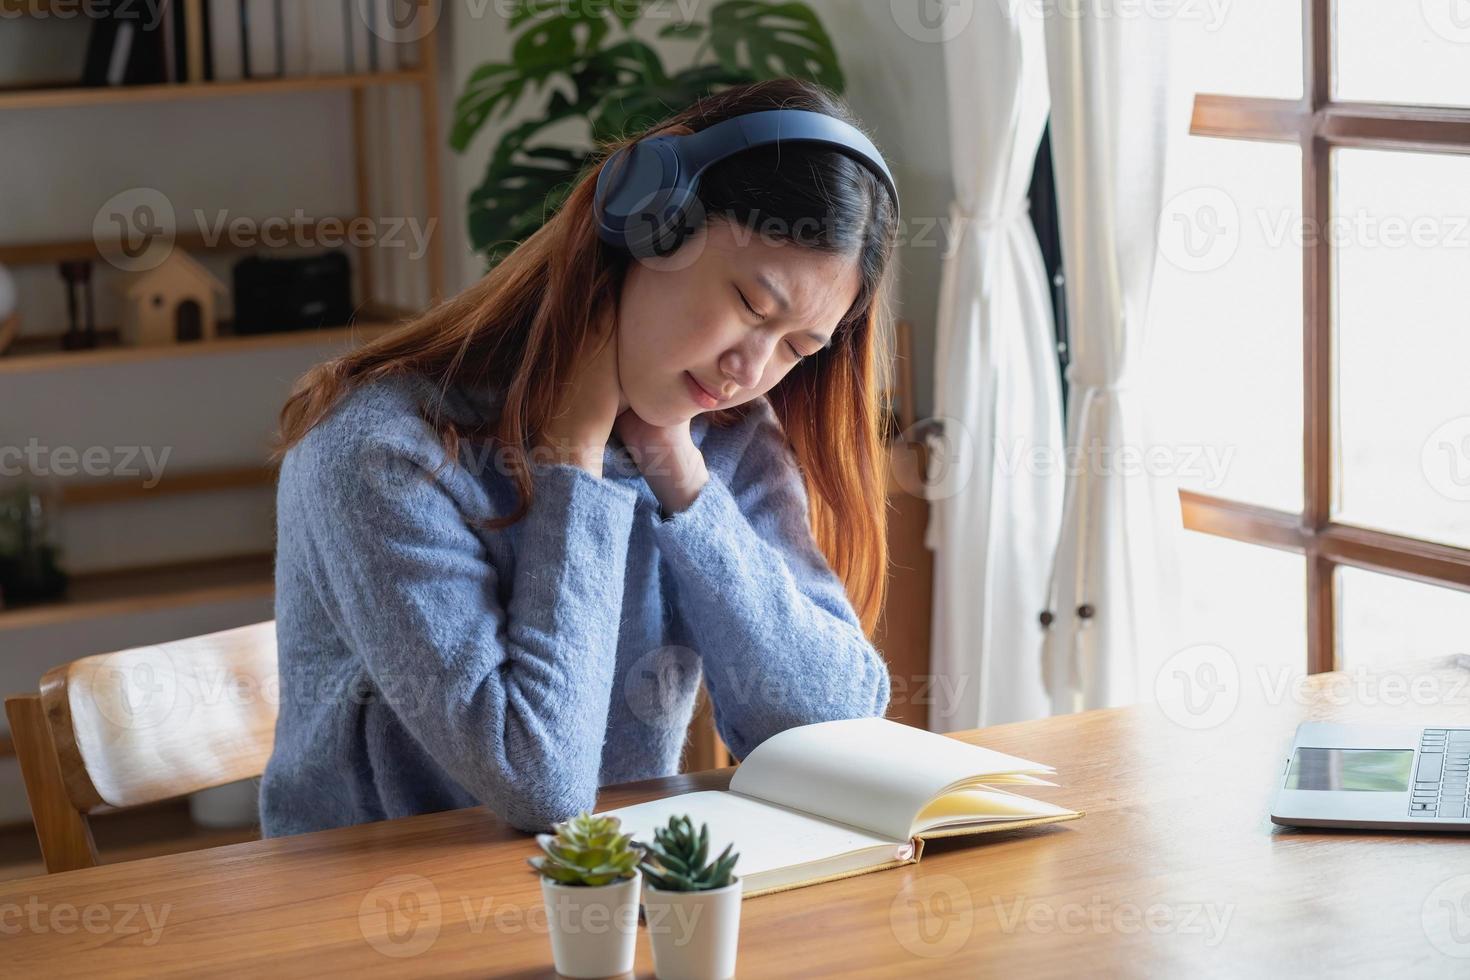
{"x": 149, "y": 588}
{"x": 52, "y": 97}
{"x": 48, "y": 253}
{"x": 32, "y": 354}
{"x": 423, "y": 78}
{"x": 230, "y": 577}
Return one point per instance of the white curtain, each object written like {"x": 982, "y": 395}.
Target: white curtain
{"x": 994, "y": 513}
{"x": 1112, "y": 594}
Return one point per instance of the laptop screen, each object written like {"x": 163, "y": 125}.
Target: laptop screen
{"x": 1369, "y": 770}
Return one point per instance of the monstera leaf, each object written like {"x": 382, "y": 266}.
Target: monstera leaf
{"x": 618, "y": 89}
{"x": 778, "y": 40}
{"x": 518, "y": 195}
{"x": 552, "y": 46}
{"x": 631, "y": 106}
{"x": 626, "y": 11}
{"x": 490, "y": 91}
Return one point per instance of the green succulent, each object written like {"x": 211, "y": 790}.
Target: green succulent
{"x": 587, "y": 850}
{"x": 678, "y": 859}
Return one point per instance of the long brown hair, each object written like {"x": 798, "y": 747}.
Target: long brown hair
{"x": 521, "y": 328}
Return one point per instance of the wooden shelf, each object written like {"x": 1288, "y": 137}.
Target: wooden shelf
{"x": 84, "y": 493}
{"x": 145, "y": 589}
{"x": 37, "y": 354}
{"x": 54, "y": 97}
{"x": 50, "y": 253}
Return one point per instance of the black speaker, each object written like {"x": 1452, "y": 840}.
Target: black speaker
{"x": 304, "y": 293}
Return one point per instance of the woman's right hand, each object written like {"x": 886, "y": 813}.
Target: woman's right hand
{"x": 588, "y": 407}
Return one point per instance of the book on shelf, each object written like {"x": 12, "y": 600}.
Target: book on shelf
{"x": 842, "y": 798}
{"x": 108, "y": 48}
{"x": 262, "y": 42}
{"x": 226, "y": 48}
{"x": 227, "y": 40}
{"x": 296, "y": 38}
{"x": 195, "y": 41}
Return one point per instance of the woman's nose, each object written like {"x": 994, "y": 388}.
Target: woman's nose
{"x": 744, "y": 367}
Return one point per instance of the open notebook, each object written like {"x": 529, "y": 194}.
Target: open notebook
{"x": 843, "y": 798}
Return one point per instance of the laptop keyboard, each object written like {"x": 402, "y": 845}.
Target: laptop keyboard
{"x": 1440, "y": 776}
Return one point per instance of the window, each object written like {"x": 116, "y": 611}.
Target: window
{"x": 1333, "y": 361}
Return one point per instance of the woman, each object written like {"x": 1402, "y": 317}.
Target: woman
{"x": 515, "y": 533}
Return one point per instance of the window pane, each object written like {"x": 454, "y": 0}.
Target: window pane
{"x": 1387, "y": 621}
{"x": 1249, "y": 599}
{"x": 1239, "y": 49}
{"x": 1401, "y": 237}
{"x": 1404, "y": 51}
{"x": 1224, "y": 360}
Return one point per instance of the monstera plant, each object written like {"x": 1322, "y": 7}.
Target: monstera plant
{"x": 581, "y": 60}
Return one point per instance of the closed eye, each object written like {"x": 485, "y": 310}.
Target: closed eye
{"x": 789, "y": 344}
{"x": 747, "y": 304}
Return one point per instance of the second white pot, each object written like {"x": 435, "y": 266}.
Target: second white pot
{"x": 694, "y": 934}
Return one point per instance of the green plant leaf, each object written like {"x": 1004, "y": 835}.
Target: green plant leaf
{"x": 778, "y": 39}
{"x": 626, "y": 11}
{"x": 720, "y": 877}
{"x": 493, "y": 89}
{"x": 703, "y": 850}
{"x": 671, "y": 860}
{"x": 634, "y": 107}
{"x": 515, "y": 198}
{"x": 556, "y": 42}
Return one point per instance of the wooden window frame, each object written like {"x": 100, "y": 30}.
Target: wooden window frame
{"x": 1318, "y": 124}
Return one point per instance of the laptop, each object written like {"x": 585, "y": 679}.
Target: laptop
{"x": 1375, "y": 778}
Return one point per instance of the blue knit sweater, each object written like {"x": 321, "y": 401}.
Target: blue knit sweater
{"x": 427, "y": 664}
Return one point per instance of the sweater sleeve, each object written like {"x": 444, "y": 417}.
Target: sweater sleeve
{"x": 509, "y": 696}
{"x": 780, "y": 641}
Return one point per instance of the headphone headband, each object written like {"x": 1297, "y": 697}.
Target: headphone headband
{"x": 646, "y": 191}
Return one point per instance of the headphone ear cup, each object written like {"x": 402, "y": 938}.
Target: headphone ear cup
{"x": 665, "y": 225}
{"x": 627, "y": 184}
{"x": 640, "y": 205}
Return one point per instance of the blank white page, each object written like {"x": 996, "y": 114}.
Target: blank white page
{"x": 767, "y": 837}
{"x": 869, "y": 772}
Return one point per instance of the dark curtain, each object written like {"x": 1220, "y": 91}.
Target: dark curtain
{"x": 1048, "y": 233}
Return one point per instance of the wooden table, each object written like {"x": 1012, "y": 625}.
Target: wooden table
{"x": 1175, "y": 871}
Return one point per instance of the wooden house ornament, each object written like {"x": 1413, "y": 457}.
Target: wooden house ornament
{"x": 174, "y": 302}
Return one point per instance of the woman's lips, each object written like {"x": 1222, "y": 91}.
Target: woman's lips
{"x": 698, "y": 393}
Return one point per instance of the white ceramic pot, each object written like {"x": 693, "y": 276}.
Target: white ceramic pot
{"x": 594, "y": 929}
{"x": 694, "y": 934}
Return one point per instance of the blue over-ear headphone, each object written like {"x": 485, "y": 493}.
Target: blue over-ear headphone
{"x": 645, "y": 191}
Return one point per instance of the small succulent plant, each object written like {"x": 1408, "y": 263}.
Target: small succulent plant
{"x": 587, "y": 850}
{"x": 678, "y": 859}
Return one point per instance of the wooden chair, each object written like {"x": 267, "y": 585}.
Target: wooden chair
{"x": 139, "y": 726}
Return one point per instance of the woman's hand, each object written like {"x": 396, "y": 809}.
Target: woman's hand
{"x": 587, "y": 409}
{"x": 669, "y": 460}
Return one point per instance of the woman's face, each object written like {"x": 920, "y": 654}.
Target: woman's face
{"x": 683, "y": 321}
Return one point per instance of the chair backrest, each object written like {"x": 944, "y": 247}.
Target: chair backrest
{"x": 142, "y": 725}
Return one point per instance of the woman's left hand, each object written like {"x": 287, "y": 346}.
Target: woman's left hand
{"x": 670, "y": 462}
